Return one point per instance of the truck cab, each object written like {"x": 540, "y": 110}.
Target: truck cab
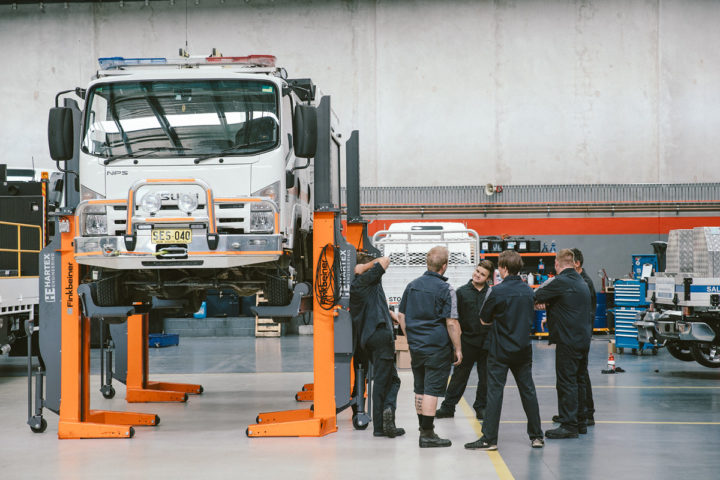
{"x": 193, "y": 174}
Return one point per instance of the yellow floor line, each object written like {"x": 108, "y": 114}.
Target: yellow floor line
{"x": 501, "y": 468}
{"x": 622, "y": 422}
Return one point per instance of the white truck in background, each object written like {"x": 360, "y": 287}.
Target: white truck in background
{"x": 193, "y": 173}
{"x": 684, "y": 312}
{"x": 407, "y": 244}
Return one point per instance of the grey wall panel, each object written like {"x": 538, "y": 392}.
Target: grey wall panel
{"x": 444, "y": 93}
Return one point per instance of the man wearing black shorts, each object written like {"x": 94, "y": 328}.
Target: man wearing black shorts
{"x": 428, "y": 317}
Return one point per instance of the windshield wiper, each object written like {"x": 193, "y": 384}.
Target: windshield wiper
{"x": 145, "y": 151}
{"x": 231, "y": 150}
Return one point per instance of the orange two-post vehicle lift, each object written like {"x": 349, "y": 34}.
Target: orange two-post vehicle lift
{"x": 62, "y": 381}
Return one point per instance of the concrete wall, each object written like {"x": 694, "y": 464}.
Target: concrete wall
{"x": 444, "y": 93}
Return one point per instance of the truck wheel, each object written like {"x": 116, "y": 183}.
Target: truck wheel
{"x": 278, "y": 292}
{"x": 679, "y": 351}
{"x": 299, "y": 253}
{"x": 107, "y": 291}
{"x": 706, "y": 354}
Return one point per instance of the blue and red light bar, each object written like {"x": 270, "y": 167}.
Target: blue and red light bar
{"x": 107, "y": 63}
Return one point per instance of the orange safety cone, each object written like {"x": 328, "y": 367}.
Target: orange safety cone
{"x": 610, "y": 365}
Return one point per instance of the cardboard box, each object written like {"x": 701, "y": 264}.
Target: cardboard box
{"x": 402, "y": 359}
{"x": 401, "y": 343}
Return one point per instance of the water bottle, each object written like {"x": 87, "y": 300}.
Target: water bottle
{"x": 552, "y": 247}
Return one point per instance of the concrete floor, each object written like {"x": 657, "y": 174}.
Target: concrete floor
{"x": 660, "y": 419}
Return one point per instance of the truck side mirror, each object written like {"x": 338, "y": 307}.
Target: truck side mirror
{"x": 305, "y": 131}
{"x": 60, "y": 133}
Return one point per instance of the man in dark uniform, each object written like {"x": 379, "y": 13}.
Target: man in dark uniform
{"x": 510, "y": 310}
{"x": 567, "y": 300}
{"x": 428, "y": 316}
{"x": 374, "y": 332}
{"x": 471, "y": 298}
{"x": 589, "y": 402}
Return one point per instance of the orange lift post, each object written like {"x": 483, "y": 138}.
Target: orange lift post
{"x": 139, "y": 388}
{"x": 321, "y": 419}
{"x": 334, "y": 260}
{"x": 77, "y": 420}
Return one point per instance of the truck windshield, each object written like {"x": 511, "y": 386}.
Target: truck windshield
{"x": 162, "y": 119}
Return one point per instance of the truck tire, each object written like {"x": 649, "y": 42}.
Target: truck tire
{"x": 701, "y": 352}
{"x": 299, "y": 255}
{"x": 278, "y": 292}
{"x": 680, "y": 351}
{"x": 107, "y": 291}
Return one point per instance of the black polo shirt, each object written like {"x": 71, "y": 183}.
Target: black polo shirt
{"x": 368, "y": 305}
{"x": 568, "y": 308}
{"x": 426, "y": 302}
{"x": 470, "y": 301}
{"x": 510, "y": 308}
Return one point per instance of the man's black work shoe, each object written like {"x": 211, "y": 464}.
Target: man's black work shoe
{"x": 582, "y": 429}
{"x": 560, "y": 432}
{"x": 429, "y": 439}
{"x": 389, "y": 428}
{"x": 481, "y": 444}
{"x": 444, "y": 412}
{"x": 590, "y": 422}
{"x": 480, "y": 414}
{"x": 556, "y": 418}
{"x": 399, "y": 432}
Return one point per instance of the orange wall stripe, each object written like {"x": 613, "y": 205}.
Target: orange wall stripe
{"x": 567, "y": 226}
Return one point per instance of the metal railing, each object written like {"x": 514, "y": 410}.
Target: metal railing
{"x": 21, "y": 247}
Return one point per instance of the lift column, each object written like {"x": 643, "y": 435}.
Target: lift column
{"x": 76, "y": 418}
{"x": 327, "y": 313}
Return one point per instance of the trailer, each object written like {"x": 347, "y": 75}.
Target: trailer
{"x": 407, "y": 244}
{"x": 684, "y": 313}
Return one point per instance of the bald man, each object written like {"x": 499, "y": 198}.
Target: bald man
{"x": 428, "y": 317}
{"x": 567, "y": 300}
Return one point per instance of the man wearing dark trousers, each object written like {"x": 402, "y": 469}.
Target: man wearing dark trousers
{"x": 567, "y": 300}
{"x": 471, "y": 298}
{"x": 428, "y": 317}
{"x": 374, "y": 332}
{"x": 589, "y": 402}
{"x": 510, "y": 310}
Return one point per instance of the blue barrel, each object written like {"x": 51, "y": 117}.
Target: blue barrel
{"x": 600, "y": 312}
{"x": 540, "y": 315}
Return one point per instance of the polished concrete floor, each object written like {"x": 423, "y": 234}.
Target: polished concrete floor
{"x": 659, "y": 419}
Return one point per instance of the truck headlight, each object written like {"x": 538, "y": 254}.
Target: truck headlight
{"x": 150, "y": 203}
{"x": 187, "y": 203}
{"x": 95, "y": 222}
{"x": 262, "y": 218}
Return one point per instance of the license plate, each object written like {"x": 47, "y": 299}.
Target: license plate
{"x": 171, "y": 235}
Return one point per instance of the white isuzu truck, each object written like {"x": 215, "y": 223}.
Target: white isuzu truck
{"x": 192, "y": 173}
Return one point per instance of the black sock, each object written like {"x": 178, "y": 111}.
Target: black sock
{"x": 427, "y": 422}
{"x": 420, "y": 417}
